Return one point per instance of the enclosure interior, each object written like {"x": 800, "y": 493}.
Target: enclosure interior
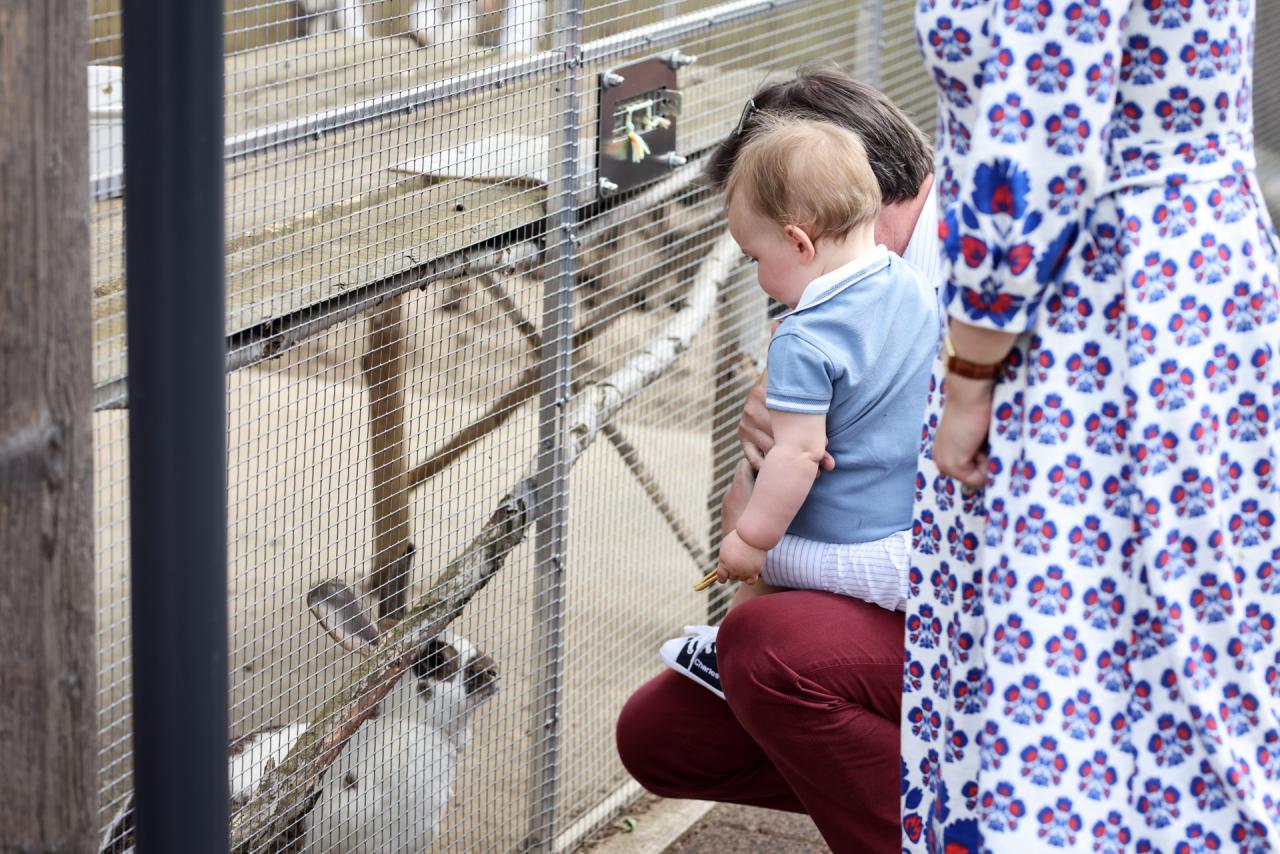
{"x": 412, "y": 202}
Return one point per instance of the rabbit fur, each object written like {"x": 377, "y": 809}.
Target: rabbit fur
{"x": 388, "y": 788}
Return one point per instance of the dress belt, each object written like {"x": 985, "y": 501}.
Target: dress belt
{"x": 1156, "y": 163}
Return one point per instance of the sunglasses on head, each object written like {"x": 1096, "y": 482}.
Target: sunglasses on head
{"x": 748, "y": 110}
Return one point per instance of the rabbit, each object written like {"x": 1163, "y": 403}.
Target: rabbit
{"x": 437, "y": 22}
{"x": 388, "y": 787}
{"x": 341, "y": 15}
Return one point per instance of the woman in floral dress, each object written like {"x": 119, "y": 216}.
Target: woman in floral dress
{"x": 1093, "y": 660}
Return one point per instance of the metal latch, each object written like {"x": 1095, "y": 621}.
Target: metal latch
{"x": 639, "y": 108}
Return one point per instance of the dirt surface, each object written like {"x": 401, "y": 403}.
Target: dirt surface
{"x": 732, "y": 829}
{"x": 652, "y": 825}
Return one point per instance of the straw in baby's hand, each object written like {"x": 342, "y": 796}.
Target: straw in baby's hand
{"x": 706, "y": 581}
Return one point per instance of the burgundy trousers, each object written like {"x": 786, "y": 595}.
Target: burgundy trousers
{"x": 814, "y": 687}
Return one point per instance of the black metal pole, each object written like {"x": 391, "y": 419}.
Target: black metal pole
{"x": 177, "y": 421}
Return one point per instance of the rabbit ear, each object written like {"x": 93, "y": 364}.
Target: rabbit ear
{"x": 482, "y": 677}
{"x": 339, "y": 610}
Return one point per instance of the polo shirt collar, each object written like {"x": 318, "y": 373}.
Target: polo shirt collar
{"x": 829, "y": 284}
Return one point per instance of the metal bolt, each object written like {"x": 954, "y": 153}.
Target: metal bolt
{"x": 678, "y": 59}
{"x": 609, "y": 79}
{"x": 672, "y": 159}
{"x": 607, "y": 186}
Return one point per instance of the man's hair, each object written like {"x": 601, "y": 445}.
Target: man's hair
{"x": 900, "y": 155}
{"x": 806, "y": 173}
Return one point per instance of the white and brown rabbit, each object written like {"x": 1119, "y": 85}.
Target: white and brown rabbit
{"x": 344, "y": 16}
{"x": 388, "y": 788}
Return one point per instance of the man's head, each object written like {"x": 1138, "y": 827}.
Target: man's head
{"x": 799, "y": 186}
{"x": 900, "y": 155}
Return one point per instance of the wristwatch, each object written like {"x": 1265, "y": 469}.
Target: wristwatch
{"x": 964, "y": 368}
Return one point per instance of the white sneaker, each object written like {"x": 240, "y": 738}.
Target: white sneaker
{"x": 694, "y": 656}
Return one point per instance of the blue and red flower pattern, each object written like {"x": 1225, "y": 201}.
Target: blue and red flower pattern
{"x": 1093, "y": 656}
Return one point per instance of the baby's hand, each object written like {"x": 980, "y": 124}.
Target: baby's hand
{"x": 739, "y": 561}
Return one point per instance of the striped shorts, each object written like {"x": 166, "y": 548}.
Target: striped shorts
{"x": 874, "y": 572}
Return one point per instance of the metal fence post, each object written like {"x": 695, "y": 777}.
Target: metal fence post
{"x": 869, "y": 66}
{"x": 741, "y": 330}
{"x": 553, "y": 456}
{"x": 177, "y": 425}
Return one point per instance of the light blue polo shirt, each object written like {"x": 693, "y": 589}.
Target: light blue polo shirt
{"x": 859, "y": 348}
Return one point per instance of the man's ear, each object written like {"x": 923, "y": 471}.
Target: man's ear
{"x": 800, "y": 242}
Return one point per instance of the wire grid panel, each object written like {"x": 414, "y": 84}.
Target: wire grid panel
{"x": 389, "y": 270}
{"x": 394, "y": 170}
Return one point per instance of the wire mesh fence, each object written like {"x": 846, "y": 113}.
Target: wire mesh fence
{"x": 468, "y": 383}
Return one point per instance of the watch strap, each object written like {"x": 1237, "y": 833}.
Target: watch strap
{"x": 970, "y": 370}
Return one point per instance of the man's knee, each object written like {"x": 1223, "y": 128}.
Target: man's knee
{"x": 642, "y": 743}
{"x": 633, "y": 734}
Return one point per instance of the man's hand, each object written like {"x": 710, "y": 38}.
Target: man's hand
{"x": 739, "y": 561}
{"x": 755, "y": 431}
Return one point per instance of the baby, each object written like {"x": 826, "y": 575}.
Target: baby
{"x": 848, "y": 372}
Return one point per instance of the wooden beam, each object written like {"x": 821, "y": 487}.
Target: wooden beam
{"x": 48, "y": 724}
{"x": 383, "y": 368}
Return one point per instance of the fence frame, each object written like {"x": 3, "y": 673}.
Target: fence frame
{"x": 556, "y": 357}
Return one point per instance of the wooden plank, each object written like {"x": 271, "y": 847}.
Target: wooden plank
{"x": 309, "y": 222}
{"x": 48, "y": 792}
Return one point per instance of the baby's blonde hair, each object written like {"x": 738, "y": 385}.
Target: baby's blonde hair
{"x": 806, "y": 173}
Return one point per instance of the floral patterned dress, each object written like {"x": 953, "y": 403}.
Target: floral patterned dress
{"x": 1093, "y": 660}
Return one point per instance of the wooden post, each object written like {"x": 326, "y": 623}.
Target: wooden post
{"x": 48, "y": 724}
{"x": 383, "y": 369}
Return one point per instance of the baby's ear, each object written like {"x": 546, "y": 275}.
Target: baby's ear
{"x": 800, "y": 242}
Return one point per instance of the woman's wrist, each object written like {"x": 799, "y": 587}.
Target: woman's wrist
{"x": 966, "y": 391}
